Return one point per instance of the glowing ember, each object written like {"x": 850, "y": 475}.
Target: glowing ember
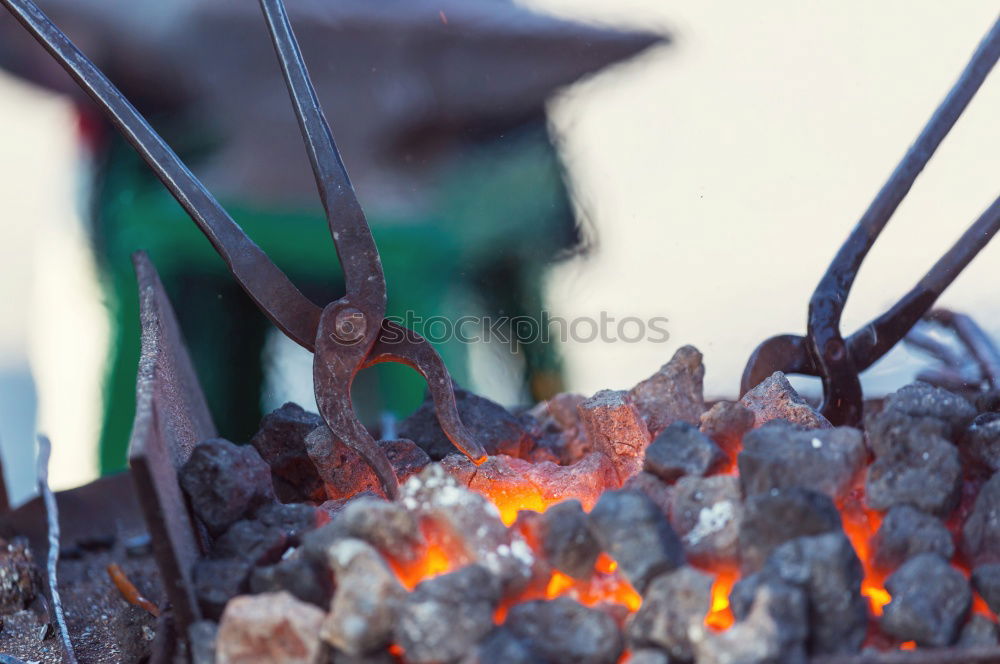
{"x": 606, "y": 585}
{"x": 720, "y": 616}
{"x": 512, "y": 490}
{"x": 979, "y": 606}
{"x": 434, "y": 563}
{"x": 860, "y": 525}
{"x": 510, "y": 501}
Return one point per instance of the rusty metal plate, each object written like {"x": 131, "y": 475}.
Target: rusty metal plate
{"x": 171, "y": 417}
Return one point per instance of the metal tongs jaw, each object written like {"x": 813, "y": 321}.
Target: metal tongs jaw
{"x": 346, "y": 335}
{"x": 823, "y": 351}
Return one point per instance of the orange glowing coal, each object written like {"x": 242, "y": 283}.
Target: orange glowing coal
{"x": 511, "y": 500}
{"x": 434, "y": 562}
{"x": 720, "y": 615}
{"x": 607, "y": 585}
{"x": 860, "y": 525}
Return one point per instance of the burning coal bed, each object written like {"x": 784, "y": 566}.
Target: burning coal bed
{"x": 641, "y": 526}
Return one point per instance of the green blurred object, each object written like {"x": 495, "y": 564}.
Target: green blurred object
{"x": 500, "y": 213}
{"x": 439, "y": 110}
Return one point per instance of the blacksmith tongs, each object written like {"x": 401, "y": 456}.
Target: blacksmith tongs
{"x": 348, "y": 334}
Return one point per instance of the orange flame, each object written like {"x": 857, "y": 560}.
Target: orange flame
{"x": 511, "y": 500}
{"x": 606, "y": 585}
{"x": 434, "y": 562}
{"x": 720, "y": 616}
{"x": 861, "y": 524}
{"x": 980, "y": 606}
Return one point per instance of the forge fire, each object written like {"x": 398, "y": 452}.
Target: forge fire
{"x": 643, "y": 525}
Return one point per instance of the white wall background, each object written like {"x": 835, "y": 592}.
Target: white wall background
{"x": 722, "y": 173}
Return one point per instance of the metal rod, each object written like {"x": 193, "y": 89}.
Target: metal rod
{"x": 980, "y": 346}
{"x": 263, "y": 281}
{"x": 841, "y": 387}
{"x": 940, "y": 351}
{"x": 875, "y": 339}
{"x": 355, "y": 246}
{"x": 52, "y": 516}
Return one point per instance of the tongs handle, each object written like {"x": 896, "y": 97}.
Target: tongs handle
{"x": 264, "y": 282}
{"x": 356, "y": 248}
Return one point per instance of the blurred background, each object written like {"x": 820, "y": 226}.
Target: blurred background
{"x": 697, "y": 161}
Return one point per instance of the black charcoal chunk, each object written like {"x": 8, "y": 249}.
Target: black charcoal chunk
{"x": 616, "y": 428}
{"x": 986, "y": 581}
{"x": 387, "y": 526}
{"x": 377, "y": 657}
{"x": 307, "y": 579}
{"x": 920, "y": 469}
{"x": 672, "y": 605}
{"x": 218, "y": 581}
{"x": 636, "y": 534}
{"x": 281, "y": 443}
{"x": 567, "y": 541}
{"x": 930, "y": 601}
{"x": 294, "y": 519}
{"x": 252, "y": 541}
{"x": 497, "y": 430}
{"x": 444, "y": 617}
{"x": 982, "y": 442}
{"x": 501, "y": 647}
{"x": 979, "y": 632}
{"x": 343, "y": 470}
{"x": 555, "y": 430}
{"x": 773, "y": 518}
{"x": 707, "y": 513}
{"x": 889, "y": 431}
{"x": 681, "y": 449}
{"x": 648, "y": 656}
{"x": 776, "y": 399}
{"x": 361, "y": 613}
{"x": 923, "y": 400}
{"x": 675, "y": 393}
{"x": 225, "y": 483}
{"x": 779, "y": 455}
{"x": 906, "y": 532}
{"x": 827, "y": 569}
{"x": 726, "y": 423}
{"x": 658, "y": 491}
{"x": 981, "y": 532}
{"x": 562, "y": 630}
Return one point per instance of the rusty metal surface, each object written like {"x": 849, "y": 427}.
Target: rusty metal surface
{"x": 823, "y": 351}
{"x": 171, "y": 417}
